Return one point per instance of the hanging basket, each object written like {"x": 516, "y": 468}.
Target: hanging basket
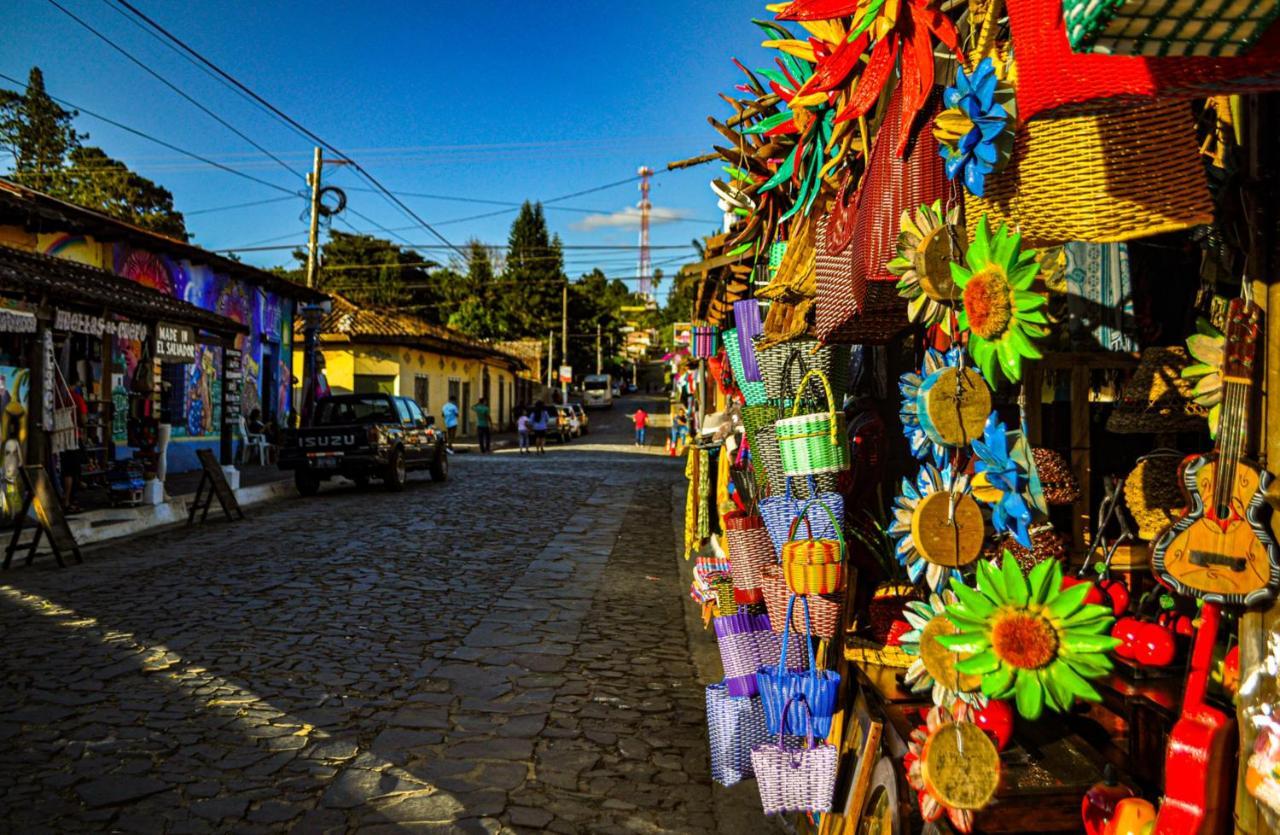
{"x": 795, "y": 778}
{"x": 753, "y": 393}
{"x": 813, "y": 443}
{"x": 747, "y": 642}
{"x": 825, "y": 610}
{"x": 779, "y": 511}
{"x": 1054, "y": 80}
{"x": 757, "y": 423}
{"x": 750, "y": 550}
{"x": 814, "y": 566}
{"x": 746, "y": 315}
{"x": 734, "y": 727}
{"x": 1220, "y": 28}
{"x": 703, "y": 342}
{"x": 771, "y": 457}
{"x": 778, "y": 683}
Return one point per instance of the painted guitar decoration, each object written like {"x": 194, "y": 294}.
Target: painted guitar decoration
{"x": 1221, "y": 548}
{"x": 1199, "y": 791}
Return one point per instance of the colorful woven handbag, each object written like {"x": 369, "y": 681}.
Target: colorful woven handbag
{"x": 825, "y": 610}
{"x": 814, "y": 566}
{"x": 753, "y": 392}
{"x": 746, "y": 315}
{"x": 784, "y": 365}
{"x": 813, "y": 443}
{"x": 1052, "y": 79}
{"x": 734, "y": 727}
{"x": 795, "y": 779}
{"x": 779, "y": 511}
{"x": 1220, "y": 28}
{"x": 750, "y": 549}
{"x": 703, "y": 343}
{"x": 779, "y": 682}
{"x": 747, "y": 642}
{"x": 1100, "y": 178}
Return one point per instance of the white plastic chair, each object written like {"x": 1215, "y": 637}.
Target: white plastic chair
{"x": 255, "y": 444}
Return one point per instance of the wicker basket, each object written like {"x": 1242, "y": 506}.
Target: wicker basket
{"x": 814, "y": 565}
{"x": 1100, "y": 178}
{"x": 1054, "y": 80}
{"x": 816, "y": 442}
{"x": 753, "y": 392}
{"x": 746, "y": 315}
{"x": 1220, "y": 28}
{"x": 825, "y": 610}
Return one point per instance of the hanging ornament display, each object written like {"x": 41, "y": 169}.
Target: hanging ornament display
{"x": 933, "y": 669}
{"x": 1001, "y": 313}
{"x": 923, "y": 264}
{"x": 953, "y": 766}
{"x": 1001, "y": 482}
{"x": 1032, "y": 638}
{"x": 937, "y": 525}
{"x": 944, "y": 405}
{"x": 975, "y": 132}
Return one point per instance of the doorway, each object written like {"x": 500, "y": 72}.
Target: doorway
{"x": 466, "y": 408}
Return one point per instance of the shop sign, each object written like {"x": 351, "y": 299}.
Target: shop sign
{"x": 16, "y": 317}
{"x": 232, "y": 385}
{"x": 566, "y": 373}
{"x": 65, "y": 320}
{"x": 175, "y": 343}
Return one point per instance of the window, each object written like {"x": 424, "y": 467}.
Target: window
{"x": 348, "y": 409}
{"x": 402, "y": 406}
{"x": 374, "y": 384}
{"x": 415, "y": 413}
{"x": 422, "y": 391}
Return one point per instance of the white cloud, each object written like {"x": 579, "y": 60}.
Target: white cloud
{"x": 629, "y": 218}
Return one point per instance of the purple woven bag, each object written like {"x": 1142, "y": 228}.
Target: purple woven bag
{"x": 793, "y": 778}
{"x": 748, "y": 642}
{"x": 746, "y": 315}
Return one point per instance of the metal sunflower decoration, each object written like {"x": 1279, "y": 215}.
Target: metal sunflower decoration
{"x": 923, "y": 446}
{"x": 924, "y": 263}
{"x": 934, "y": 669}
{"x": 1001, "y": 482}
{"x": 1207, "y": 347}
{"x": 1031, "y": 638}
{"x": 1001, "y": 312}
{"x": 937, "y": 526}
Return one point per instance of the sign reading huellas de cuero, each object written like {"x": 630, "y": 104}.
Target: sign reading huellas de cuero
{"x": 175, "y": 343}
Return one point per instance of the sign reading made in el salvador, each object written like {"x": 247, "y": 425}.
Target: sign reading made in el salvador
{"x": 175, "y": 343}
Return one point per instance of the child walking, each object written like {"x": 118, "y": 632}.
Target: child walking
{"x": 522, "y": 427}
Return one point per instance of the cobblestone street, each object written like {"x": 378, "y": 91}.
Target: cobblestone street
{"x": 505, "y": 651}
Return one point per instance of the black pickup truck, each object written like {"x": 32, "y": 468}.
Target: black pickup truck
{"x": 363, "y": 436}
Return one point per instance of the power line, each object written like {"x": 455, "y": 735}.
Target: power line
{"x": 145, "y": 68}
{"x": 281, "y": 114}
{"x": 248, "y": 205}
{"x": 160, "y": 142}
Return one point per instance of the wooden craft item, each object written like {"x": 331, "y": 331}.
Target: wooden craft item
{"x": 960, "y": 766}
{"x": 947, "y": 536}
{"x": 953, "y": 405}
{"x": 880, "y": 810}
{"x": 940, "y": 662}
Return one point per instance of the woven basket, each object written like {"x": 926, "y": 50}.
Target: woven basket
{"x": 753, "y": 392}
{"x": 703, "y": 341}
{"x": 1100, "y": 178}
{"x": 1054, "y": 80}
{"x": 890, "y": 185}
{"x": 1153, "y": 493}
{"x": 750, "y": 550}
{"x": 779, "y": 682}
{"x": 747, "y": 642}
{"x": 1157, "y": 398}
{"x": 757, "y": 422}
{"x": 784, "y": 366}
{"x": 814, "y": 565}
{"x": 824, "y": 609}
{"x": 816, "y": 442}
{"x": 781, "y": 509}
{"x": 746, "y": 315}
{"x": 795, "y": 778}
{"x": 1221, "y": 28}
{"x": 734, "y": 727}
{"x": 1057, "y": 480}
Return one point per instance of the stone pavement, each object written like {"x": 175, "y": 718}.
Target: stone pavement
{"x": 503, "y": 652}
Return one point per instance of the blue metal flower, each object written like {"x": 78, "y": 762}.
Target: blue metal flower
{"x": 973, "y": 131}
{"x": 1001, "y": 482}
{"x": 924, "y": 448}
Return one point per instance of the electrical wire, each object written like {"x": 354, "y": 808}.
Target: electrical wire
{"x": 248, "y": 205}
{"x": 228, "y": 169}
{"x": 147, "y": 69}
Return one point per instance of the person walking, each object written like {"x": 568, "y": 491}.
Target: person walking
{"x": 641, "y": 420}
{"x": 450, "y": 415}
{"x": 523, "y": 428}
{"x": 484, "y": 433}
{"x": 539, "y": 419}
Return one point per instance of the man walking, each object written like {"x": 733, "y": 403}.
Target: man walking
{"x": 483, "y": 433}
{"x": 450, "y": 415}
{"x": 641, "y": 418}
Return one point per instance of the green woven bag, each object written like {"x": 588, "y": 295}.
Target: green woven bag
{"x": 813, "y": 443}
{"x": 1167, "y": 27}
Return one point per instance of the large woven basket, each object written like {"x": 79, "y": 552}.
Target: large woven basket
{"x": 1160, "y": 27}
{"x": 825, "y": 610}
{"x": 1052, "y": 79}
{"x": 757, "y": 421}
{"x": 891, "y": 184}
{"x": 785, "y": 365}
{"x": 795, "y": 777}
{"x": 750, "y": 550}
{"x": 1100, "y": 178}
{"x": 816, "y": 442}
{"x": 734, "y": 727}
{"x": 753, "y": 391}
{"x": 746, "y": 316}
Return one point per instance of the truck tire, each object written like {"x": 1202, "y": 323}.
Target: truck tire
{"x": 307, "y": 483}
{"x": 396, "y": 475}
{"x": 440, "y": 466}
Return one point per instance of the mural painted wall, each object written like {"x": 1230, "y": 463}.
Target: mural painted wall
{"x": 267, "y": 348}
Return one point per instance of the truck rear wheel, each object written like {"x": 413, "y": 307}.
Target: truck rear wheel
{"x": 306, "y": 482}
{"x": 440, "y": 467}
{"x": 397, "y": 475}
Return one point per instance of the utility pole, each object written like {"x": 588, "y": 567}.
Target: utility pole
{"x": 599, "y": 355}
{"x": 564, "y": 339}
{"x": 550, "y": 360}
{"x": 313, "y": 234}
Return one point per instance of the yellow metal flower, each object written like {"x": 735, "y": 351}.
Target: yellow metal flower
{"x": 924, "y": 261}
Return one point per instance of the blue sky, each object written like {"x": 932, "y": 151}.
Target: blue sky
{"x": 489, "y": 100}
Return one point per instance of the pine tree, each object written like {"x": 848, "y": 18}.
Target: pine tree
{"x": 37, "y": 132}
{"x": 534, "y": 275}
{"x": 96, "y": 181}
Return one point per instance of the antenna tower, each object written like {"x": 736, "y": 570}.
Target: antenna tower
{"x": 645, "y": 267}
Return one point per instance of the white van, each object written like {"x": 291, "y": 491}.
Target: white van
{"x": 597, "y": 391}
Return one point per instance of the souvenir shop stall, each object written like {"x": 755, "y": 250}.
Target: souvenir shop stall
{"x": 980, "y": 499}
{"x": 65, "y": 395}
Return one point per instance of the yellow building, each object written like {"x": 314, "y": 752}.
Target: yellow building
{"x": 368, "y": 350}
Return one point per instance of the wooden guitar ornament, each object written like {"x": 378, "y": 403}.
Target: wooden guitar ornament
{"x": 1221, "y": 549}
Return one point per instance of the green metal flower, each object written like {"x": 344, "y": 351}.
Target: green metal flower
{"x": 1030, "y": 638}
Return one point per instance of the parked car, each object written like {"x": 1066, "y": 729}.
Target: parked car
{"x": 567, "y": 425}
{"x": 364, "y": 436}
{"x": 584, "y": 421}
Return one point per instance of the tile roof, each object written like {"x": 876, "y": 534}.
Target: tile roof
{"x": 71, "y": 283}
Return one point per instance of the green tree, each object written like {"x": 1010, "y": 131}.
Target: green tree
{"x": 375, "y": 271}
{"x": 534, "y": 274}
{"x": 96, "y": 181}
{"x": 479, "y": 300}
{"x": 37, "y": 133}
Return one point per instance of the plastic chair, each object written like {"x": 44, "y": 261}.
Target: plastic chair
{"x": 255, "y": 444}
